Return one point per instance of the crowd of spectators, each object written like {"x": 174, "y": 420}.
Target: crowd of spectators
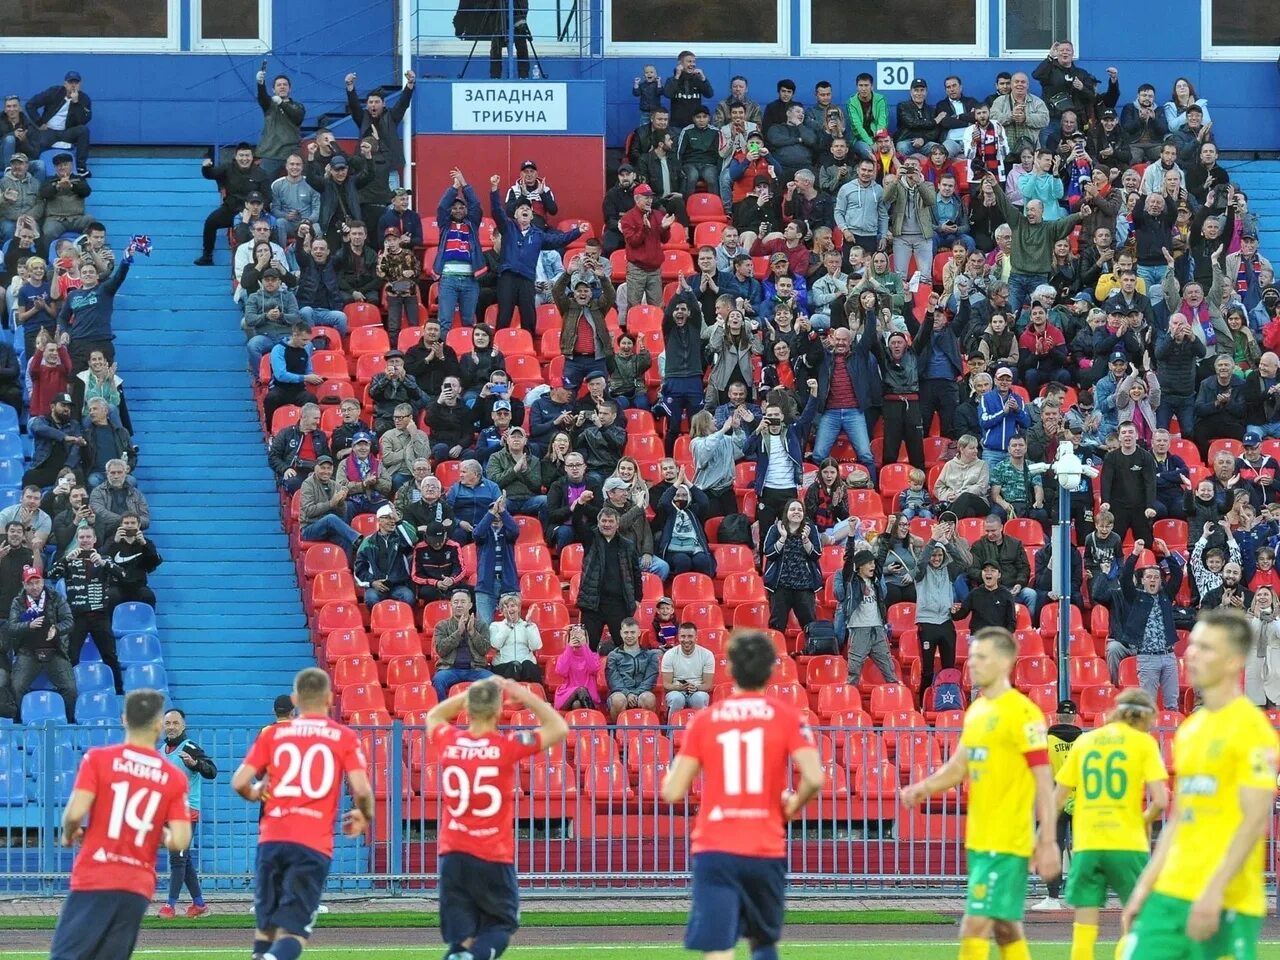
{"x": 75, "y": 542}
{"x": 885, "y": 323}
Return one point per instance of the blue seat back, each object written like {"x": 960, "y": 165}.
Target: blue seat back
{"x": 133, "y": 617}
{"x": 97, "y": 705}
{"x": 145, "y": 675}
{"x": 138, "y": 648}
{"x": 92, "y": 677}
{"x": 41, "y": 705}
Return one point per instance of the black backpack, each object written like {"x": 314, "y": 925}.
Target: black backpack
{"x": 735, "y": 528}
{"x": 820, "y": 638}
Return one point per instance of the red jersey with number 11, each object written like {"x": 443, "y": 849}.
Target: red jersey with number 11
{"x": 304, "y": 760}
{"x": 136, "y": 792}
{"x": 744, "y": 745}
{"x": 477, "y": 779}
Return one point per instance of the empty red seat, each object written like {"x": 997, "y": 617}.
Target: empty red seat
{"x": 837, "y": 698}
{"x": 391, "y": 615}
{"x": 414, "y": 696}
{"x": 324, "y": 556}
{"x": 889, "y": 697}
{"x": 362, "y": 314}
{"x": 1087, "y": 672}
{"x": 339, "y": 615}
{"x": 692, "y": 588}
{"x": 353, "y": 642}
{"x": 1032, "y": 670}
{"x": 362, "y": 696}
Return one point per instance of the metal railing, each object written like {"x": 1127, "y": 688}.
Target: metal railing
{"x": 587, "y": 815}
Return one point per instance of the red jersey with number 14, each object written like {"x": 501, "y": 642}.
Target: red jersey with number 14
{"x": 304, "y": 760}
{"x": 136, "y": 792}
{"x": 477, "y": 778}
{"x": 744, "y": 745}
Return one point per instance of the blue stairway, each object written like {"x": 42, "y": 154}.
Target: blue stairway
{"x": 229, "y": 611}
{"x": 1260, "y": 180}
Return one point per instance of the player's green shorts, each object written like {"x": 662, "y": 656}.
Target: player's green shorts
{"x": 1160, "y": 933}
{"x": 997, "y": 885}
{"x": 1094, "y": 872}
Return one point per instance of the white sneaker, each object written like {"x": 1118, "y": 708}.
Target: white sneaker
{"x": 1048, "y": 903}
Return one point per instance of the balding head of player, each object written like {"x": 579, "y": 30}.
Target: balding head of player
{"x": 992, "y": 653}
{"x": 751, "y": 660}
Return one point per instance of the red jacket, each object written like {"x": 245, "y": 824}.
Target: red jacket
{"x": 644, "y": 246}
{"x": 1271, "y": 336}
{"x": 47, "y": 382}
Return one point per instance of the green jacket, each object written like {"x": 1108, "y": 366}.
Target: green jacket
{"x": 1033, "y": 242}
{"x": 518, "y": 485}
{"x": 879, "y": 118}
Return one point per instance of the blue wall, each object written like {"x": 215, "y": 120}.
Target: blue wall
{"x": 194, "y": 98}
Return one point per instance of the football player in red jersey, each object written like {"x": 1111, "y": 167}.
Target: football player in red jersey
{"x": 135, "y": 799}
{"x": 744, "y": 745}
{"x": 296, "y": 768}
{"x": 479, "y": 899}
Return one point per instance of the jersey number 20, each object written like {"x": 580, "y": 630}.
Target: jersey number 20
{"x": 301, "y": 778}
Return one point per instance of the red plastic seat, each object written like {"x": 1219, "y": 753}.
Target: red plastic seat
{"x": 407, "y": 670}
{"x": 708, "y": 232}
{"x": 399, "y": 643}
{"x": 1026, "y": 530}
{"x": 876, "y": 781}
{"x": 514, "y": 341}
{"x": 362, "y": 314}
{"x": 533, "y": 557}
{"x": 676, "y": 262}
{"x": 837, "y": 698}
{"x": 889, "y": 697}
{"x": 332, "y": 585}
{"x": 339, "y": 615}
{"x": 1033, "y": 670}
{"x": 346, "y": 643}
{"x": 1096, "y": 701}
{"x": 285, "y": 416}
{"x": 707, "y": 616}
{"x": 742, "y": 588}
{"x": 412, "y": 697}
{"x": 692, "y": 588}
{"x": 331, "y": 364}
{"x": 391, "y": 615}
{"x": 353, "y": 670}
{"x": 1087, "y": 672}
{"x": 369, "y": 366}
{"x": 705, "y": 207}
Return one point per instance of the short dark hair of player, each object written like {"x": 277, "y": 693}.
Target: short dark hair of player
{"x": 142, "y": 708}
{"x": 751, "y": 659}
{"x": 311, "y": 687}
{"x": 1135, "y": 707}
{"x": 1001, "y": 638}
{"x": 484, "y": 700}
{"x": 1233, "y": 623}
{"x": 283, "y": 706}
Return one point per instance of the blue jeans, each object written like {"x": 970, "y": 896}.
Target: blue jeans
{"x": 8, "y": 147}
{"x": 563, "y": 535}
{"x": 1269, "y": 431}
{"x": 1184, "y": 408}
{"x": 906, "y": 149}
{"x": 854, "y": 424}
{"x": 257, "y": 348}
{"x": 684, "y": 397}
{"x": 860, "y": 149}
{"x": 993, "y": 457}
{"x": 7, "y": 227}
{"x": 447, "y": 677}
{"x": 460, "y": 292}
{"x": 373, "y": 595}
{"x": 657, "y": 566}
{"x": 945, "y": 241}
{"x": 708, "y": 173}
{"x": 529, "y": 507}
{"x": 640, "y": 401}
{"x": 726, "y": 188}
{"x": 1021, "y": 286}
{"x": 333, "y": 529}
{"x": 577, "y": 369}
{"x": 319, "y": 317}
{"x": 486, "y": 606}
{"x": 1153, "y": 277}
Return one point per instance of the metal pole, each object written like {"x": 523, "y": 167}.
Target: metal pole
{"x": 1062, "y": 585}
{"x": 511, "y": 39}
{"x": 408, "y": 9}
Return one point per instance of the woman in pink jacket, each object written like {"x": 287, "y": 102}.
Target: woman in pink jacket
{"x": 578, "y": 665}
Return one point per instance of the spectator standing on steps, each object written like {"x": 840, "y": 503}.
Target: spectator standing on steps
{"x": 685, "y": 89}
{"x": 85, "y": 318}
{"x": 644, "y": 231}
{"x": 281, "y": 123}
{"x": 39, "y": 630}
{"x": 197, "y": 766}
{"x": 291, "y": 373}
{"x": 1033, "y": 240}
{"x": 1142, "y": 620}
{"x": 237, "y": 177}
{"x": 459, "y": 258}
{"x": 865, "y": 615}
{"x": 132, "y": 559}
{"x": 86, "y": 576}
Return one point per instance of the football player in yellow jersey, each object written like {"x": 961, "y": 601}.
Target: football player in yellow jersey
{"x": 1003, "y": 752}
{"x": 1201, "y": 897}
{"x": 1104, "y": 776}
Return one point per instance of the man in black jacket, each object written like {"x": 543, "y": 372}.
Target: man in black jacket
{"x": 10, "y": 378}
{"x": 132, "y": 558}
{"x": 319, "y": 296}
{"x": 61, "y": 114}
{"x": 685, "y": 89}
{"x": 374, "y": 119}
{"x": 573, "y": 503}
{"x": 39, "y": 626}
{"x": 1129, "y": 485}
{"x": 86, "y": 577}
{"x": 611, "y": 583}
{"x": 295, "y": 449}
{"x": 988, "y": 605}
{"x": 238, "y": 178}
{"x": 617, "y": 201}
{"x": 15, "y": 556}
{"x": 917, "y": 126}
{"x": 357, "y": 267}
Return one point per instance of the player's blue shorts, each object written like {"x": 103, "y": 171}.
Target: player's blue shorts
{"x": 289, "y": 886}
{"x": 475, "y": 896}
{"x": 102, "y": 924}
{"x": 735, "y": 897}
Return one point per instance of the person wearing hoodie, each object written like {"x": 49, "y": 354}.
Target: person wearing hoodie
{"x": 946, "y": 557}
{"x": 269, "y": 315}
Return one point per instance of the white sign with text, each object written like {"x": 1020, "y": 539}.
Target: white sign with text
{"x": 894, "y": 74}
{"x": 511, "y": 106}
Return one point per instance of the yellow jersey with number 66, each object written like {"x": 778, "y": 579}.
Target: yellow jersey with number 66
{"x": 1109, "y": 769}
{"x": 1003, "y": 738}
{"x": 1216, "y": 753}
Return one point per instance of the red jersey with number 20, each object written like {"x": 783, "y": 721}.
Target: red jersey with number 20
{"x": 477, "y": 778}
{"x": 304, "y": 760}
{"x": 744, "y": 744}
{"x": 136, "y": 792}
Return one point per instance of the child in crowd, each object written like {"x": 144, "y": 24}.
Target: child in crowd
{"x": 914, "y": 501}
{"x": 1101, "y": 554}
{"x": 401, "y": 268}
{"x": 665, "y": 626}
{"x": 649, "y": 89}
{"x": 1265, "y": 575}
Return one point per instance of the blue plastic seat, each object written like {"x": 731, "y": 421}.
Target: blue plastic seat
{"x": 89, "y": 652}
{"x": 9, "y": 417}
{"x": 92, "y": 677}
{"x": 13, "y": 788}
{"x": 97, "y": 705}
{"x": 9, "y": 496}
{"x": 137, "y": 648}
{"x": 46, "y": 161}
{"x": 41, "y": 705}
{"x": 145, "y": 675}
{"x": 66, "y": 758}
{"x": 10, "y": 441}
{"x": 133, "y": 617}
{"x": 101, "y": 731}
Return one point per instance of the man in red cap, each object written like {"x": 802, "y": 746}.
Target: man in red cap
{"x": 39, "y": 626}
{"x": 644, "y": 230}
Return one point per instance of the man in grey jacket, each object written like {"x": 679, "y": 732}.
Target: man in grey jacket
{"x": 861, "y": 213}
{"x": 322, "y": 508}
{"x": 293, "y": 200}
{"x": 117, "y": 496}
{"x": 281, "y": 123}
{"x": 269, "y": 315}
{"x": 19, "y": 195}
{"x": 631, "y": 673}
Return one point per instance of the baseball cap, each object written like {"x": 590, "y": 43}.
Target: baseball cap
{"x": 1248, "y": 233}
{"x": 666, "y": 600}
{"x": 436, "y": 531}
{"x": 63, "y": 158}
{"x": 337, "y": 161}
{"x": 762, "y": 178}
{"x": 528, "y": 165}
{"x": 502, "y": 405}
{"x": 63, "y": 398}
{"x": 626, "y": 168}
{"x": 393, "y": 355}
{"x": 1068, "y": 706}
{"x": 18, "y": 157}
{"x": 406, "y": 192}
{"x": 1252, "y": 438}
{"x": 643, "y": 189}
{"x": 1116, "y": 308}
{"x": 32, "y": 573}
{"x": 1082, "y": 297}
{"x": 1108, "y": 114}
{"x": 271, "y": 272}
{"x": 391, "y": 231}
{"x": 883, "y": 135}
{"x": 1119, "y": 357}
{"x": 253, "y": 196}
{"x": 323, "y": 458}
{"x": 73, "y": 76}
{"x": 615, "y": 483}
{"x": 362, "y": 437}
{"x": 919, "y": 84}
{"x": 779, "y": 257}
{"x": 386, "y": 510}
{"x": 1004, "y": 372}
{"x": 985, "y": 564}
{"x": 523, "y": 202}
{"x": 580, "y": 278}
{"x": 282, "y": 704}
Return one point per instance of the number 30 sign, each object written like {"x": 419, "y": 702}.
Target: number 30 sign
{"x": 894, "y": 74}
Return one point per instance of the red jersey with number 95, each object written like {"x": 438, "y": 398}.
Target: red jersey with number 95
{"x": 304, "y": 761}
{"x": 477, "y": 778}
{"x": 744, "y": 744}
{"x": 136, "y": 792}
